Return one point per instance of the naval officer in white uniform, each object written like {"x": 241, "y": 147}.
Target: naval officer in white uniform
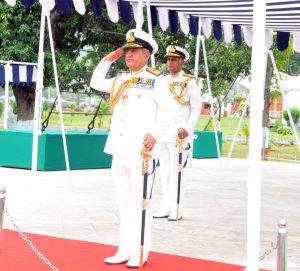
{"x": 178, "y": 118}
{"x": 134, "y": 97}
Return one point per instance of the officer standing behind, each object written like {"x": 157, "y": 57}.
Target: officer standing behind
{"x": 134, "y": 98}
{"x": 178, "y": 118}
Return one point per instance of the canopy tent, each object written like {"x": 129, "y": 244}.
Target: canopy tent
{"x": 15, "y": 74}
{"x": 18, "y": 75}
{"x": 233, "y": 16}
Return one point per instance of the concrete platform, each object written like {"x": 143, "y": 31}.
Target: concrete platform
{"x": 83, "y": 206}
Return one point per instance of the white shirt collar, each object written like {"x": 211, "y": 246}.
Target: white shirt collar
{"x": 177, "y": 74}
{"x": 139, "y": 71}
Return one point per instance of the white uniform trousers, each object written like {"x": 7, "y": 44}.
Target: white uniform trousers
{"x": 128, "y": 180}
{"x": 169, "y": 161}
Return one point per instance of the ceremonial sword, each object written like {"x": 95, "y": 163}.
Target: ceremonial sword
{"x": 146, "y": 157}
{"x": 179, "y": 145}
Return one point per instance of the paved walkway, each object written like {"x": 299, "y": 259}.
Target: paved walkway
{"x": 83, "y": 206}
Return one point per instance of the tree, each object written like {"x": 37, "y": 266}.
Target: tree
{"x": 74, "y": 34}
{"x": 294, "y": 65}
{"x": 282, "y": 63}
{"x": 1, "y": 108}
{"x": 225, "y": 61}
{"x": 19, "y": 40}
{"x": 295, "y": 113}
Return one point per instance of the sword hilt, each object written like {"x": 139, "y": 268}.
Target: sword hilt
{"x": 146, "y": 158}
{"x": 179, "y": 144}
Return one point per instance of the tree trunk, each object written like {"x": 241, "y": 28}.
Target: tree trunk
{"x": 219, "y": 114}
{"x": 220, "y": 109}
{"x": 266, "y": 114}
{"x": 25, "y": 97}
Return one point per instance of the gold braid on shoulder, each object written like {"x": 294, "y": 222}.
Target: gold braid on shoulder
{"x": 114, "y": 98}
{"x": 178, "y": 97}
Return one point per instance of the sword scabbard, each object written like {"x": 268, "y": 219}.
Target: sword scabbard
{"x": 141, "y": 257}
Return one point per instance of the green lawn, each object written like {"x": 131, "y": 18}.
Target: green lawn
{"x": 289, "y": 152}
{"x": 80, "y": 121}
{"x": 228, "y": 126}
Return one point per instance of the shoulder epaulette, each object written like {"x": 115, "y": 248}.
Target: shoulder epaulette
{"x": 189, "y": 75}
{"x": 153, "y": 71}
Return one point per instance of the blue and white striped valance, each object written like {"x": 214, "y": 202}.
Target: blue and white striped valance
{"x": 234, "y": 17}
{"x": 18, "y": 75}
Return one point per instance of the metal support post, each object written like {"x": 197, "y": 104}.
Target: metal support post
{"x": 281, "y": 245}
{"x": 2, "y": 209}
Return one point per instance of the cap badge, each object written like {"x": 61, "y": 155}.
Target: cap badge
{"x": 172, "y": 49}
{"x": 131, "y": 37}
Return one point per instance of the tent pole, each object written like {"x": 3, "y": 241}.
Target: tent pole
{"x": 284, "y": 99}
{"x": 18, "y": 63}
{"x": 196, "y": 72}
{"x": 211, "y": 100}
{"x": 150, "y": 30}
{"x": 58, "y": 93}
{"x": 38, "y": 90}
{"x": 6, "y": 95}
{"x": 237, "y": 131}
{"x": 197, "y": 57}
{"x": 41, "y": 95}
{"x": 258, "y": 74}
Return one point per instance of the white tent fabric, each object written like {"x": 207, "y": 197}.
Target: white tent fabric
{"x": 184, "y": 23}
{"x": 163, "y": 18}
{"x": 228, "y": 35}
{"x": 17, "y": 75}
{"x": 296, "y": 41}
{"x": 47, "y": 4}
{"x": 11, "y": 2}
{"x": 112, "y": 10}
{"x": 282, "y": 15}
{"x": 269, "y": 38}
{"x": 135, "y": 14}
{"x": 79, "y": 6}
{"x": 206, "y": 25}
{"x": 247, "y": 31}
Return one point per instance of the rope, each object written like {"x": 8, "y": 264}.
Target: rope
{"x": 91, "y": 125}
{"x": 45, "y": 123}
{"x": 216, "y": 110}
{"x": 210, "y": 97}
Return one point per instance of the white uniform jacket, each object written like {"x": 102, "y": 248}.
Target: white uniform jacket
{"x": 174, "y": 115}
{"x": 135, "y": 113}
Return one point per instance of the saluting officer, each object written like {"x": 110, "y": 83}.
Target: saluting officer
{"x": 134, "y": 97}
{"x": 178, "y": 118}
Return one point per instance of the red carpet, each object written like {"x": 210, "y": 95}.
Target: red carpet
{"x": 72, "y": 255}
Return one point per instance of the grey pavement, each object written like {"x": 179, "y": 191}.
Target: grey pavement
{"x": 82, "y": 206}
